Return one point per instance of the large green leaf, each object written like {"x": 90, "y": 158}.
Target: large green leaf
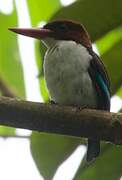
{"x": 10, "y": 66}
{"x": 109, "y": 40}
{"x": 42, "y": 10}
{"x": 113, "y": 61}
{"x": 107, "y": 166}
{"x": 49, "y": 151}
{"x": 99, "y": 17}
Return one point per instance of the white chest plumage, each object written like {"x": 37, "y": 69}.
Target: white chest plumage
{"x": 66, "y": 73}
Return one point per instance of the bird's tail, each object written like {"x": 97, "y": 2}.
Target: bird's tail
{"x": 93, "y": 149}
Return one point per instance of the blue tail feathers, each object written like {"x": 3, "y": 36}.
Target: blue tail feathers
{"x": 93, "y": 149}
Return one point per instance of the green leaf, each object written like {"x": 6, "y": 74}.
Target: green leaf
{"x": 99, "y": 17}
{"x": 119, "y": 92}
{"x": 107, "y": 166}
{"x": 10, "y": 66}
{"x": 43, "y": 88}
{"x": 42, "y": 10}
{"x": 49, "y": 151}
{"x": 113, "y": 62}
{"x": 109, "y": 40}
{"x": 8, "y": 131}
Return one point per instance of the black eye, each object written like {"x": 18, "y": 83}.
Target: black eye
{"x": 62, "y": 27}
{"x": 56, "y": 26}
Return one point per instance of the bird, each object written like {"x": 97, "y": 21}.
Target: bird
{"x": 74, "y": 74}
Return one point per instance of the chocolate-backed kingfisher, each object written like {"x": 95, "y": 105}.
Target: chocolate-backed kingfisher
{"x": 74, "y": 73}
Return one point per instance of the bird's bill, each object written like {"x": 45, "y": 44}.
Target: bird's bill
{"x": 38, "y": 33}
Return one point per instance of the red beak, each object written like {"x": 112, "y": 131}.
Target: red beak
{"x": 38, "y": 33}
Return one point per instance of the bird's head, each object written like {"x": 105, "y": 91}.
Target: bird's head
{"x": 58, "y": 30}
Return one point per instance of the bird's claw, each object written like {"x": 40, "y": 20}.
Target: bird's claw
{"x": 52, "y": 102}
{"x": 80, "y": 108}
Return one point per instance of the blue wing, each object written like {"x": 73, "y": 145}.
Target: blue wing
{"x": 101, "y": 84}
{"x": 100, "y": 81}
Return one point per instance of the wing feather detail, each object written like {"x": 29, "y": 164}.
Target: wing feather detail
{"x": 100, "y": 81}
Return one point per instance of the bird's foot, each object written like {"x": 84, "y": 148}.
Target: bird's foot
{"x": 52, "y": 102}
{"x": 80, "y": 108}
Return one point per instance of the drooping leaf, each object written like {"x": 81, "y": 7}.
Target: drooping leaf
{"x": 10, "y": 66}
{"x": 113, "y": 61}
{"x": 107, "y": 166}
{"x": 109, "y": 40}
{"x": 49, "y": 151}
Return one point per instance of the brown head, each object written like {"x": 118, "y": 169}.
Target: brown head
{"x": 59, "y": 30}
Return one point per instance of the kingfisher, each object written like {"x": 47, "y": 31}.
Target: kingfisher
{"x": 74, "y": 73}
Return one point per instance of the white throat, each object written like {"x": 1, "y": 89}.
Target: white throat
{"x": 66, "y": 66}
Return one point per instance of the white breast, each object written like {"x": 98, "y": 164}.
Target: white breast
{"x": 66, "y": 73}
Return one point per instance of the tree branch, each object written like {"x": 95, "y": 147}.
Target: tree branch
{"x": 61, "y": 119}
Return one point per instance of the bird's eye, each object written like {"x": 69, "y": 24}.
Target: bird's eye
{"x": 56, "y": 26}
{"x": 62, "y": 27}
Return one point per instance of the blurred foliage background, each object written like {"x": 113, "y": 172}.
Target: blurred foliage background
{"x": 103, "y": 20}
